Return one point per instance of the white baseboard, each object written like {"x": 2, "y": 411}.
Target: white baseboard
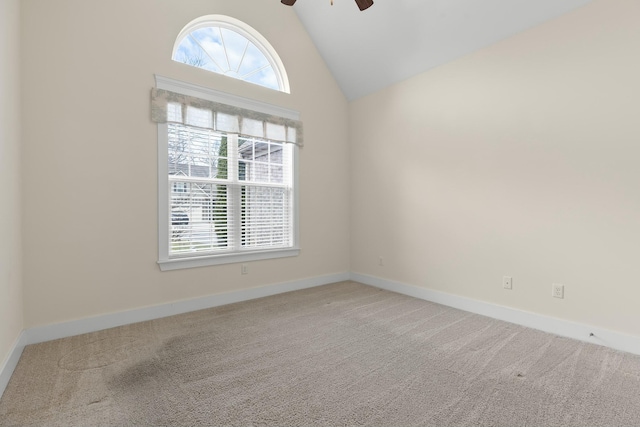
{"x": 9, "y": 365}
{"x": 578, "y": 331}
{"x": 92, "y": 324}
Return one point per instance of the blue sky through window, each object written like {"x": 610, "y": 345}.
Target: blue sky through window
{"x": 224, "y": 51}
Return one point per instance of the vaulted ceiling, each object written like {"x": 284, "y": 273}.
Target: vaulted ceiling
{"x": 396, "y": 39}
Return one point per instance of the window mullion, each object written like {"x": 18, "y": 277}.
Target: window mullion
{"x": 234, "y": 200}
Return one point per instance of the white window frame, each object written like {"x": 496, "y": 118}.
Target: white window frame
{"x": 164, "y": 210}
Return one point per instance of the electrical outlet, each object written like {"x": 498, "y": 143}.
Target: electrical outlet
{"x": 557, "y": 290}
{"x": 244, "y": 269}
{"x": 507, "y": 282}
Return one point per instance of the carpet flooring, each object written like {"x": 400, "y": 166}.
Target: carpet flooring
{"x": 337, "y": 355}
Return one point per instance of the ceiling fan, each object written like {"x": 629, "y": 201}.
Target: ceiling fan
{"x": 362, "y": 4}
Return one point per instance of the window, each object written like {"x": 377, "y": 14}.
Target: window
{"x": 226, "y": 177}
{"x": 224, "y": 45}
{"x": 179, "y": 187}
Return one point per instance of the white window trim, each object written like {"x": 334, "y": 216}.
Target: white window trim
{"x": 164, "y": 261}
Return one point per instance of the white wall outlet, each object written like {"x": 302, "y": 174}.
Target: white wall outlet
{"x": 507, "y": 282}
{"x": 557, "y": 290}
{"x": 380, "y": 261}
{"x": 244, "y": 269}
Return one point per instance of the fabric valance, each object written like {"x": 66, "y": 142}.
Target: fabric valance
{"x": 172, "y": 107}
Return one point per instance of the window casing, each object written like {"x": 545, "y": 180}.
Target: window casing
{"x": 225, "y": 196}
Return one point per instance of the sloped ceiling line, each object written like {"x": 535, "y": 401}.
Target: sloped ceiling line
{"x": 396, "y": 39}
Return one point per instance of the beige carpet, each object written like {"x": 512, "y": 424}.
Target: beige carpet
{"x": 342, "y": 354}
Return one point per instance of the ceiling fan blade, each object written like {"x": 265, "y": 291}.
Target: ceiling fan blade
{"x": 362, "y": 4}
{"x": 288, "y": 2}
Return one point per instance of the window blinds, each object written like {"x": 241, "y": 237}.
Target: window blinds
{"x": 228, "y": 193}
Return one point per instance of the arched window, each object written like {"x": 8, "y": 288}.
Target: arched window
{"x": 227, "y": 46}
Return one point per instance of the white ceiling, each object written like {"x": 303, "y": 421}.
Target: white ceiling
{"x": 396, "y": 39}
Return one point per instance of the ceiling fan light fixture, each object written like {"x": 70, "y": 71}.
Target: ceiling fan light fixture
{"x": 362, "y": 4}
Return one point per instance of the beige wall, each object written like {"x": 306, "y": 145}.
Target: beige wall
{"x": 90, "y": 190}
{"x": 519, "y": 160}
{"x": 11, "y": 316}
{"x": 522, "y": 159}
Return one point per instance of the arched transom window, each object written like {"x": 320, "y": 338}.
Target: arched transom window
{"x": 227, "y": 46}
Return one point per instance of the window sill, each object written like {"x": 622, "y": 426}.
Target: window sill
{"x": 203, "y": 261}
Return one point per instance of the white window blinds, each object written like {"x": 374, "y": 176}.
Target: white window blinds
{"x": 229, "y": 180}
